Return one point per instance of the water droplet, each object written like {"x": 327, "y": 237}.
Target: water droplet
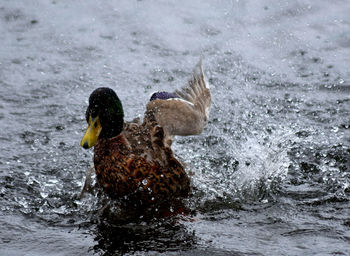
{"x": 144, "y": 182}
{"x": 44, "y": 194}
{"x": 53, "y": 181}
{"x": 265, "y": 201}
{"x": 60, "y": 210}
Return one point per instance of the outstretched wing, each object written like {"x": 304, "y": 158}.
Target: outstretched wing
{"x": 197, "y": 92}
{"x": 186, "y": 111}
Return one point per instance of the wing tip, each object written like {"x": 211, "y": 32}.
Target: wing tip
{"x": 199, "y": 72}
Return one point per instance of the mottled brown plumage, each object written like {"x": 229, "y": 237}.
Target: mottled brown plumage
{"x": 142, "y": 172}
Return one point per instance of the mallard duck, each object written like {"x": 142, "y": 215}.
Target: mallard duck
{"x": 134, "y": 160}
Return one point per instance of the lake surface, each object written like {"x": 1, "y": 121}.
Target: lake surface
{"x": 270, "y": 173}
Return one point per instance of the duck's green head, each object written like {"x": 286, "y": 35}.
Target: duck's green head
{"x": 104, "y": 116}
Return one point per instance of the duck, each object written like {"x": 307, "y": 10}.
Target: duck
{"x": 134, "y": 160}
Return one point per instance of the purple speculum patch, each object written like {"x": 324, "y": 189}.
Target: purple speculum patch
{"x": 163, "y": 96}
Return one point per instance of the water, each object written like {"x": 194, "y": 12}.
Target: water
{"x": 270, "y": 173}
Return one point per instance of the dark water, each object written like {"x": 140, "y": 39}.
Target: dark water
{"x": 271, "y": 172}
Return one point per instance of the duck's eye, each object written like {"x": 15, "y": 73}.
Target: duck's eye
{"x": 94, "y": 113}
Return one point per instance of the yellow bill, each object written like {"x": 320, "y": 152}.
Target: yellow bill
{"x": 92, "y": 132}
